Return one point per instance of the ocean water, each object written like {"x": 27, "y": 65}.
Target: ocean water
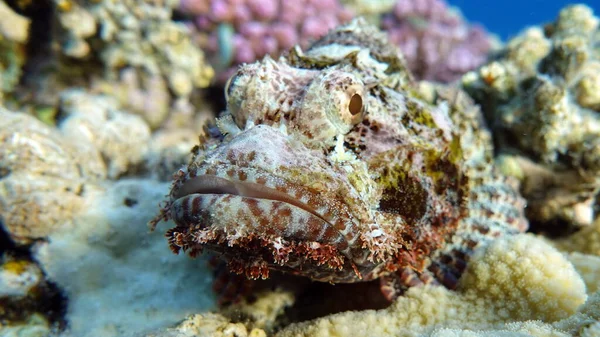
{"x": 507, "y": 17}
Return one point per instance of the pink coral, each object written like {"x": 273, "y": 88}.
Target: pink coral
{"x": 243, "y": 31}
{"x": 437, "y": 43}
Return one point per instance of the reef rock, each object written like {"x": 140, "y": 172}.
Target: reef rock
{"x": 43, "y": 176}
{"x": 149, "y": 61}
{"x": 46, "y": 172}
{"x": 542, "y": 98}
{"x": 14, "y": 33}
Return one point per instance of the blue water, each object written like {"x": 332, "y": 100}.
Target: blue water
{"x": 507, "y": 17}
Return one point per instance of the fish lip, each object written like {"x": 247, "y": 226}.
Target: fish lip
{"x": 213, "y": 184}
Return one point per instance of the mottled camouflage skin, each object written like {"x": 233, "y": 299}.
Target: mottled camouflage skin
{"x": 334, "y": 168}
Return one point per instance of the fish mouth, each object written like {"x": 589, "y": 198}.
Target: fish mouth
{"x": 212, "y": 184}
{"x": 263, "y": 223}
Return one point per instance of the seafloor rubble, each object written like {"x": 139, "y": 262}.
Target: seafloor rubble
{"x": 95, "y": 118}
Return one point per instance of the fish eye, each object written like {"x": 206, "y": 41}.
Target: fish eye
{"x": 334, "y": 102}
{"x": 350, "y": 104}
{"x": 355, "y": 105}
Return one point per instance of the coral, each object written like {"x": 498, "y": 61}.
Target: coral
{"x": 435, "y": 40}
{"x": 18, "y": 278}
{"x": 42, "y": 176}
{"x": 371, "y": 10}
{"x": 264, "y": 311}
{"x": 45, "y": 172}
{"x": 208, "y": 325}
{"x": 121, "y": 138}
{"x": 588, "y": 266}
{"x": 144, "y": 94}
{"x": 496, "y": 293}
{"x": 36, "y": 326}
{"x": 333, "y": 168}
{"x": 586, "y": 241}
{"x": 237, "y": 32}
{"x": 168, "y": 150}
{"x": 135, "y": 36}
{"x": 53, "y": 188}
{"x": 29, "y": 303}
{"x": 14, "y": 32}
{"x": 539, "y": 96}
{"x": 111, "y": 268}
{"x": 526, "y": 278}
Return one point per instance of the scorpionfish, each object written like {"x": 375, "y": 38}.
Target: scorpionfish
{"x": 330, "y": 165}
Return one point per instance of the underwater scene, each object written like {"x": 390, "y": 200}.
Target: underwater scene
{"x": 305, "y": 168}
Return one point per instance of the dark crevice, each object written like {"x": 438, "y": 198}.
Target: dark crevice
{"x": 46, "y": 298}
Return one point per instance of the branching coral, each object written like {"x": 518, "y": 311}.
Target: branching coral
{"x": 541, "y": 99}
{"x": 435, "y": 40}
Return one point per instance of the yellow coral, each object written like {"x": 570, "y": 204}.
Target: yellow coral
{"x": 526, "y": 278}
{"x": 588, "y": 266}
{"x": 512, "y": 279}
{"x": 209, "y": 324}
{"x": 263, "y": 312}
{"x": 586, "y": 241}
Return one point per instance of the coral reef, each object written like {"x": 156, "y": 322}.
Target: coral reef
{"x": 263, "y": 312}
{"x": 146, "y": 94}
{"x": 36, "y": 326}
{"x": 29, "y": 304}
{"x": 330, "y": 165}
{"x": 46, "y": 172}
{"x": 588, "y": 266}
{"x": 112, "y": 269}
{"x": 370, "y": 10}
{"x": 168, "y": 151}
{"x": 43, "y": 176}
{"x": 495, "y": 294}
{"x": 435, "y": 40}
{"x": 236, "y": 32}
{"x": 121, "y": 138}
{"x": 13, "y": 35}
{"x": 540, "y": 97}
{"x": 56, "y": 197}
{"x": 140, "y": 46}
{"x": 209, "y": 325}
{"x": 586, "y": 241}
